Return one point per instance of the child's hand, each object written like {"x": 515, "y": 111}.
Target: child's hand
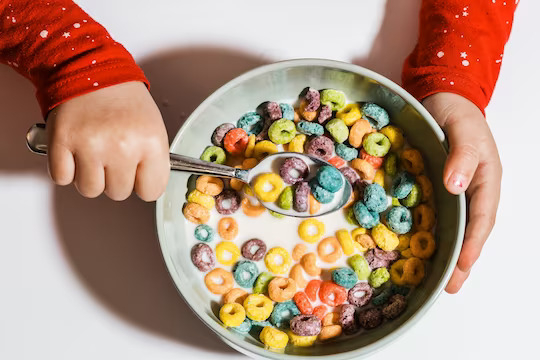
{"x": 473, "y": 165}
{"x": 111, "y": 140}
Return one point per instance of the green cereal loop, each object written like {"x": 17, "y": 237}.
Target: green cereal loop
{"x": 285, "y": 199}
{"x": 402, "y": 290}
{"x": 214, "y": 154}
{"x": 390, "y": 164}
{"x": 333, "y": 98}
{"x": 276, "y": 215}
{"x": 414, "y": 197}
{"x": 338, "y": 130}
{"x": 360, "y": 266}
{"x": 395, "y": 202}
{"x": 261, "y": 284}
{"x": 376, "y": 144}
{"x": 349, "y": 216}
{"x": 382, "y": 298}
{"x": 378, "y": 277}
{"x": 282, "y": 131}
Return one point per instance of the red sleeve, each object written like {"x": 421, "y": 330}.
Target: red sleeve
{"x": 63, "y": 51}
{"x": 460, "y": 48}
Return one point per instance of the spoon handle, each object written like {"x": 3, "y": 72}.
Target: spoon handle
{"x": 36, "y": 139}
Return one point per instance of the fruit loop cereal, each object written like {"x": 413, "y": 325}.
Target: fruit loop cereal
{"x": 290, "y": 282}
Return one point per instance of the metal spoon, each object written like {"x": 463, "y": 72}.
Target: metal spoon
{"x": 36, "y": 139}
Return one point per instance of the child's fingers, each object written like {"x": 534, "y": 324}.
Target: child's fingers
{"x": 119, "y": 181}
{"x": 89, "y": 176}
{"x": 464, "y": 154}
{"x": 61, "y": 164}
{"x": 456, "y": 281}
{"x": 152, "y": 177}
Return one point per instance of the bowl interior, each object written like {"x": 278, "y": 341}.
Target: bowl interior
{"x": 285, "y": 81}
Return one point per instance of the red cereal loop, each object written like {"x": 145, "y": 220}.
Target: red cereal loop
{"x": 337, "y": 161}
{"x": 319, "y": 311}
{"x": 332, "y": 294}
{"x": 302, "y": 302}
{"x": 236, "y": 141}
{"x": 375, "y": 161}
{"x": 312, "y": 288}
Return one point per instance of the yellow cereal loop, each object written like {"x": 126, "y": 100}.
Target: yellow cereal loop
{"x": 346, "y": 241}
{"x": 247, "y": 190}
{"x": 297, "y": 143}
{"x": 264, "y": 148}
{"x": 305, "y": 230}
{"x": 379, "y": 177}
{"x": 384, "y": 237}
{"x": 258, "y": 307}
{"x": 232, "y": 314}
{"x": 395, "y": 135}
{"x": 227, "y": 247}
{"x": 200, "y": 198}
{"x": 404, "y": 242}
{"x": 349, "y": 114}
{"x": 273, "y": 338}
{"x": 302, "y": 341}
{"x": 271, "y": 180}
{"x": 250, "y": 146}
{"x": 277, "y": 260}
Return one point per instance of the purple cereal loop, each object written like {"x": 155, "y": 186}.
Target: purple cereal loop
{"x": 347, "y": 319}
{"x": 263, "y": 135}
{"x": 197, "y": 257}
{"x": 321, "y": 147}
{"x": 396, "y": 305}
{"x": 324, "y": 114}
{"x": 228, "y": 194}
{"x": 301, "y": 193}
{"x": 271, "y": 111}
{"x": 370, "y": 318}
{"x": 350, "y": 174}
{"x": 354, "y": 299}
{"x": 258, "y": 254}
{"x": 313, "y": 100}
{"x": 297, "y": 164}
{"x": 306, "y": 325}
{"x": 219, "y": 133}
{"x": 386, "y": 255}
{"x": 360, "y": 185}
{"x": 374, "y": 262}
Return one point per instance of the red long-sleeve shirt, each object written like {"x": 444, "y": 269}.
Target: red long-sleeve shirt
{"x": 65, "y": 53}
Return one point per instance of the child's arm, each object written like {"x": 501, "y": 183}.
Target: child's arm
{"x": 105, "y": 131}
{"x": 453, "y": 70}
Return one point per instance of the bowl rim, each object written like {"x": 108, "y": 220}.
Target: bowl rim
{"x": 254, "y": 350}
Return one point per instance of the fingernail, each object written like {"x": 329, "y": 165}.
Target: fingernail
{"x": 457, "y": 180}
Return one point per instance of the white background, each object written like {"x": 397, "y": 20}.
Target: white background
{"x": 84, "y": 279}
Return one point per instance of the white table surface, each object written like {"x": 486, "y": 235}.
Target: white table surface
{"x": 84, "y": 279}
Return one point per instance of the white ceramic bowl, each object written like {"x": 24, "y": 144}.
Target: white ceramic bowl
{"x": 284, "y": 80}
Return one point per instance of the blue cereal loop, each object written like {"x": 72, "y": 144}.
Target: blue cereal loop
{"x": 319, "y": 193}
{"x": 345, "y": 277}
{"x": 375, "y": 198}
{"x": 245, "y": 273}
{"x": 283, "y": 313}
{"x": 367, "y": 219}
{"x": 375, "y": 115}
{"x": 251, "y": 122}
{"x": 287, "y": 111}
{"x": 243, "y": 328}
{"x": 399, "y": 220}
{"x": 204, "y": 233}
{"x": 310, "y": 128}
{"x": 329, "y": 178}
{"x": 402, "y": 185}
{"x": 345, "y": 152}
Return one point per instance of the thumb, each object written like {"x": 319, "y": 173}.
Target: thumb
{"x": 464, "y": 155}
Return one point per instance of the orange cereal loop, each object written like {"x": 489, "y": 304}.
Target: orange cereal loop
{"x": 227, "y": 228}
{"x": 252, "y": 210}
{"x": 209, "y": 185}
{"x": 196, "y": 213}
{"x": 314, "y": 205}
{"x": 404, "y": 242}
{"x": 219, "y": 281}
{"x": 407, "y": 253}
{"x": 413, "y": 271}
{"x": 249, "y": 163}
{"x": 307, "y": 115}
{"x": 296, "y": 116}
{"x": 364, "y": 169}
{"x": 235, "y": 183}
{"x": 322, "y": 249}
{"x": 329, "y": 332}
{"x": 396, "y": 272}
{"x": 235, "y": 141}
{"x": 281, "y": 289}
{"x": 297, "y": 274}
{"x": 357, "y": 132}
{"x": 234, "y": 161}
{"x": 299, "y": 251}
{"x": 365, "y": 241}
{"x": 355, "y": 196}
{"x": 309, "y": 263}
{"x": 331, "y": 319}
{"x": 319, "y": 311}
{"x": 423, "y": 244}
{"x": 424, "y": 217}
{"x": 235, "y": 295}
{"x": 412, "y": 161}
{"x": 426, "y": 186}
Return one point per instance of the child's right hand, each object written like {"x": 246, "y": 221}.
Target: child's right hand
{"x": 473, "y": 165}
{"x": 112, "y": 140}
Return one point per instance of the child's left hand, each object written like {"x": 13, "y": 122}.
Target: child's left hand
{"x": 473, "y": 165}
{"x": 111, "y": 140}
